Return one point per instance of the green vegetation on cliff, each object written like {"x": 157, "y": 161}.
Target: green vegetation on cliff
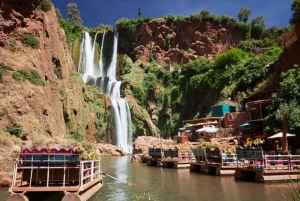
{"x": 33, "y": 77}
{"x": 170, "y": 97}
{"x": 30, "y": 40}
{"x": 92, "y": 101}
{"x": 165, "y": 98}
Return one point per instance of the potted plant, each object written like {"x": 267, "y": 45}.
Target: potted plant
{"x": 258, "y": 142}
{"x": 248, "y": 143}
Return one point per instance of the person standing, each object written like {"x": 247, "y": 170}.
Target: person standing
{"x": 276, "y": 147}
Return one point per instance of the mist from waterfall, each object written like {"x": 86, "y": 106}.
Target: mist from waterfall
{"x": 104, "y": 76}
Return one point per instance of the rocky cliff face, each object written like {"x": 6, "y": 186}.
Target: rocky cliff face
{"x": 182, "y": 42}
{"x": 288, "y": 58}
{"x": 61, "y": 105}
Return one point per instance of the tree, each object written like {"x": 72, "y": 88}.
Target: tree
{"x": 46, "y": 5}
{"x": 287, "y": 113}
{"x": 258, "y": 21}
{"x": 229, "y": 58}
{"x": 243, "y": 14}
{"x": 295, "y": 19}
{"x": 140, "y": 13}
{"x": 58, "y": 14}
{"x": 284, "y": 110}
{"x": 258, "y": 27}
{"x": 74, "y": 15}
{"x": 204, "y": 12}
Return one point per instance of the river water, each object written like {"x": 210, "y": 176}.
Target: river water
{"x": 165, "y": 184}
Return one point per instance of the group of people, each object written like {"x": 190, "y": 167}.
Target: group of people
{"x": 278, "y": 149}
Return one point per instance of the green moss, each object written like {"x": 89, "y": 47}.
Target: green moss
{"x": 15, "y": 129}
{"x": 62, "y": 92}
{"x": 3, "y": 71}
{"x": 58, "y": 72}
{"x": 33, "y": 77}
{"x": 13, "y": 44}
{"x": 30, "y": 40}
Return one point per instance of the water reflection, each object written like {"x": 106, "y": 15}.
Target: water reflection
{"x": 166, "y": 184}
{"x": 172, "y": 184}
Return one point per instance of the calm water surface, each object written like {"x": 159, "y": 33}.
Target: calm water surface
{"x": 166, "y": 184}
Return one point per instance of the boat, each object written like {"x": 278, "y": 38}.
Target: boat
{"x": 49, "y": 171}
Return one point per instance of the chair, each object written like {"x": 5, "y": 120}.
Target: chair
{"x": 271, "y": 159}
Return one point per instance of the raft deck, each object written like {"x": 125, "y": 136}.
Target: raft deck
{"x": 54, "y": 172}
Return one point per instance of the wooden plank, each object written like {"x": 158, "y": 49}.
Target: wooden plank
{"x": 45, "y": 189}
{"x": 88, "y": 185}
{"x": 90, "y": 192}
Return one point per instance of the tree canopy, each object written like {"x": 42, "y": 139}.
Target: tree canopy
{"x": 295, "y": 19}
{"x": 58, "y": 14}
{"x": 243, "y": 14}
{"x": 259, "y": 21}
{"x": 74, "y": 15}
{"x": 285, "y": 107}
{"x": 258, "y": 27}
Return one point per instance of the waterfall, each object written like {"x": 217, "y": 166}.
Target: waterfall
{"x": 101, "y": 57}
{"x": 105, "y": 79}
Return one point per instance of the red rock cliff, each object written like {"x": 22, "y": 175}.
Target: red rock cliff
{"x": 184, "y": 42}
{"x": 38, "y": 109}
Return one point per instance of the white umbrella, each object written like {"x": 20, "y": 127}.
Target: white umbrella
{"x": 280, "y": 135}
{"x": 207, "y": 129}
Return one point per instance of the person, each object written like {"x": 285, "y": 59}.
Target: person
{"x": 276, "y": 147}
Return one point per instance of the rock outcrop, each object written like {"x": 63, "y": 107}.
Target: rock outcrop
{"x": 288, "y": 58}
{"x": 36, "y": 108}
{"x": 183, "y": 41}
{"x": 60, "y": 104}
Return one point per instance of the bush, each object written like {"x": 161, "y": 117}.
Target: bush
{"x": 196, "y": 67}
{"x": 126, "y": 24}
{"x": 33, "y": 77}
{"x": 77, "y": 135}
{"x": 252, "y": 71}
{"x": 212, "y": 18}
{"x": 229, "y": 58}
{"x": 30, "y": 40}
{"x": 197, "y": 17}
{"x": 21, "y": 75}
{"x": 170, "y": 20}
{"x": 15, "y": 130}
{"x": 46, "y": 5}
{"x": 103, "y": 27}
{"x": 13, "y": 44}
{"x": 149, "y": 80}
{"x": 71, "y": 32}
{"x": 228, "y": 20}
{"x": 250, "y": 45}
{"x": 138, "y": 94}
{"x": 36, "y": 79}
{"x": 180, "y": 18}
{"x": 3, "y": 71}
{"x": 181, "y": 51}
{"x": 245, "y": 28}
{"x": 58, "y": 72}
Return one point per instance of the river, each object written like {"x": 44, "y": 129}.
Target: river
{"x": 164, "y": 184}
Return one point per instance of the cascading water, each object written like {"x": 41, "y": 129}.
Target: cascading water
{"x": 105, "y": 79}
